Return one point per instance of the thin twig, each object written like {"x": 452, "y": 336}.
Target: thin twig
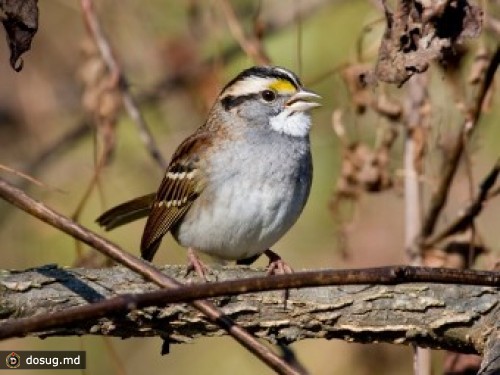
{"x": 416, "y": 98}
{"x": 440, "y": 197}
{"x": 63, "y": 143}
{"x": 326, "y": 74}
{"x": 27, "y": 177}
{"x": 299, "y": 38}
{"x": 364, "y": 32}
{"x": 465, "y": 220}
{"x": 118, "y": 365}
{"x": 124, "y": 303}
{"x": 18, "y": 198}
{"x": 131, "y": 106}
{"x": 100, "y": 163}
{"x": 252, "y": 46}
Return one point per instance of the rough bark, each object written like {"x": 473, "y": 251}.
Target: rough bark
{"x": 462, "y": 318}
{"x": 491, "y": 358}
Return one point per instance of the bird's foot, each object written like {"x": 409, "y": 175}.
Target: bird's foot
{"x": 195, "y": 264}
{"x": 277, "y": 266}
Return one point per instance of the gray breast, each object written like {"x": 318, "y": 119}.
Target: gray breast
{"x": 257, "y": 191}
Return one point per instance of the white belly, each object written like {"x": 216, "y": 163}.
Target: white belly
{"x": 242, "y": 218}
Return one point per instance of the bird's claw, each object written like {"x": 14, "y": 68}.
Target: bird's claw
{"x": 276, "y": 266}
{"x": 195, "y": 264}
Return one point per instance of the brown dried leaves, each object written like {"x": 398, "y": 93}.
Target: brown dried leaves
{"x": 101, "y": 96}
{"x": 20, "y": 20}
{"x": 359, "y": 81}
{"x": 421, "y": 31}
{"x": 364, "y": 168}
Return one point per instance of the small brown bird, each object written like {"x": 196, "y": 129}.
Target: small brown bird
{"x": 237, "y": 185}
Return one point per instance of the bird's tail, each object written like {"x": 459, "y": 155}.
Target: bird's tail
{"x": 127, "y": 212}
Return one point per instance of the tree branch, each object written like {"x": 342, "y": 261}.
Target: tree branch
{"x": 456, "y": 317}
{"x": 491, "y": 358}
{"x": 390, "y": 275}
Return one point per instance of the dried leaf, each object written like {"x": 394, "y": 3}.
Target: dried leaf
{"x": 101, "y": 97}
{"x": 421, "y": 31}
{"x": 353, "y": 76}
{"x": 387, "y": 106}
{"x": 20, "y": 20}
{"x": 363, "y": 169}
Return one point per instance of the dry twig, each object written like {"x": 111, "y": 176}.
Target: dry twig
{"x": 27, "y": 177}
{"x": 251, "y": 45}
{"x": 465, "y": 220}
{"x": 129, "y": 102}
{"x": 469, "y": 125}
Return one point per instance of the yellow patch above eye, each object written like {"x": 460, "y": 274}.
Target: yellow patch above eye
{"x": 282, "y": 86}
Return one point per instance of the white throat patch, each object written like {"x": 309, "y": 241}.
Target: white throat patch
{"x": 296, "y": 124}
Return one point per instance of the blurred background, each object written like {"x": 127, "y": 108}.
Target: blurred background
{"x": 176, "y": 56}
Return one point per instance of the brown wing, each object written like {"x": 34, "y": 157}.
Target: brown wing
{"x": 182, "y": 184}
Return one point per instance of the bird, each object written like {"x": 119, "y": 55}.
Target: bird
{"x": 236, "y": 185}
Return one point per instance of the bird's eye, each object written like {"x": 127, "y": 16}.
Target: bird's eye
{"x": 268, "y": 95}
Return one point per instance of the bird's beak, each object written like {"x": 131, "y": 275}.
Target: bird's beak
{"x": 300, "y": 101}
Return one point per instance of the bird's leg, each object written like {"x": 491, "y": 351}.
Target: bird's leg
{"x": 248, "y": 261}
{"x": 195, "y": 264}
{"x": 277, "y": 266}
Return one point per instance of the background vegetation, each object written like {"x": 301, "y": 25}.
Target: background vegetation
{"x": 161, "y": 39}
